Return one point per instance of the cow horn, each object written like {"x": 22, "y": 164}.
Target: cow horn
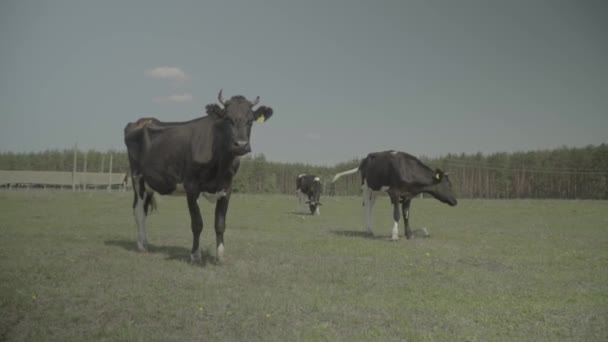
{"x": 255, "y": 102}
{"x": 221, "y": 98}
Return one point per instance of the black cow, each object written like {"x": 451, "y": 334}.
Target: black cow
{"x": 403, "y": 177}
{"x": 202, "y": 155}
{"x": 309, "y": 186}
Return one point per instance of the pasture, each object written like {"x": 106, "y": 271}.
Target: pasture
{"x": 492, "y": 270}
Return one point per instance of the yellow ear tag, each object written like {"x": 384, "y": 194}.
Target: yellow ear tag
{"x": 437, "y": 176}
{"x": 261, "y": 118}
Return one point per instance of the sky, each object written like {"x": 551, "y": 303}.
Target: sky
{"x": 345, "y": 78}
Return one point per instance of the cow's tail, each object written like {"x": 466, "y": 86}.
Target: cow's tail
{"x": 345, "y": 173}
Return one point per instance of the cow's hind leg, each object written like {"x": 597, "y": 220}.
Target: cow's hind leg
{"x": 369, "y": 198}
{"x": 221, "y": 209}
{"x": 196, "y": 223}
{"x": 141, "y": 202}
{"x": 405, "y": 208}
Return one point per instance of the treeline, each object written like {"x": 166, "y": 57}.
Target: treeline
{"x": 569, "y": 173}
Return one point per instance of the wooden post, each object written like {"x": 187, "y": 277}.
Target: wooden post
{"x": 84, "y": 172}
{"x": 74, "y": 167}
{"x": 110, "y": 175}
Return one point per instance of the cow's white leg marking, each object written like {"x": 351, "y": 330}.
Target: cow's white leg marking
{"x": 220, "y": 253}
{"x": 395, "y": 232}
{"x": 318, "y": 211}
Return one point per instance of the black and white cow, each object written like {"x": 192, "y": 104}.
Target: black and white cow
{"x": 202, "y": 155}
{"x": 309, "y": 186}
{"x": 403, "y": 177}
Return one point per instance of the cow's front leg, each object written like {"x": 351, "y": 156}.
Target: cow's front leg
{"x": 196, "y": 223}
{"x": 396, "y": 214}
{"x": 299, "y": 201}
{"x": 221, "y": 208}
{"x": 405, "y": 208}
{"x": 141, "y": 201}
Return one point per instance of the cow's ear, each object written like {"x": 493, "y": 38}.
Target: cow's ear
{"x": 438, "y": 175}
{"x": 215, "y": 111}
{"x": 262, "y": 114}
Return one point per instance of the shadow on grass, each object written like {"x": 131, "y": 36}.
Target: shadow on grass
{"x": 172, "y": 252}
{"x": 358, "y": 234}
{"x": 299, "y": 213}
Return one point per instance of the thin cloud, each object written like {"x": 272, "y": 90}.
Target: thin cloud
{"x": 176, "y": 98}
{"x": 168, "y": 73}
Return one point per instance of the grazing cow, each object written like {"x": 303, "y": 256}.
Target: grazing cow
{"x": 125, "y": 182}
{"x": 403, "y": 177}
{"x": 202, "y": 155}
{"x": 309, "y": 186}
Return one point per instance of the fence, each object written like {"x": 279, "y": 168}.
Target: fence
{"x": 66, "y": 180}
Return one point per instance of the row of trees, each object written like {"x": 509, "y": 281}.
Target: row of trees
{"x": 560, "y": 173}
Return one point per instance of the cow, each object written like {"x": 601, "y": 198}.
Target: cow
{"x": 309, "y": 186}
{"x": 201, "y": 155}
{"x": 402, "y": 176}
{"x": 125, "y": 182}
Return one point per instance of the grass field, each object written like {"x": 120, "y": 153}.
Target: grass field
{"x": 491, "y": 270}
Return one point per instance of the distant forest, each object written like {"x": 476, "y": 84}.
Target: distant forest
{"x": 568, "y": 173}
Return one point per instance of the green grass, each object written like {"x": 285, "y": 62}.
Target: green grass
{"x": 491, "y": 270}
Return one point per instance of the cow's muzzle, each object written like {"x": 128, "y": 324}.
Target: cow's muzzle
{"x": 241, "y": 147}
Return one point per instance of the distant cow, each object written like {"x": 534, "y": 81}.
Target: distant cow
{"x": 309, "y": 186}
{"x": 125, "y": 182}
{"x": 200, "y": 154}
{"x": 403, "y": 177}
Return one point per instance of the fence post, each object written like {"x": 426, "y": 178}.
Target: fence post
{"x": 110, "y": 173}
{"x": 84, "y": 173}
{"x": 74, "y": 167}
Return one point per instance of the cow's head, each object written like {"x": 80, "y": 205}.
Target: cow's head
{"x": 236, "y": 119}
{"x": 441, "y": 188}
{"x": 314, "y": 196}
{"x": 313, "y": 205}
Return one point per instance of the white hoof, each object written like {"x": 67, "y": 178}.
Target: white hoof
{"x": 220, "y": 254}
{"x": 196, "y": 257}
{"x": 141, "y": 246}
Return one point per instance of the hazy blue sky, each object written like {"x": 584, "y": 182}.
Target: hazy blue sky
{"x": 344, "y": 77}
